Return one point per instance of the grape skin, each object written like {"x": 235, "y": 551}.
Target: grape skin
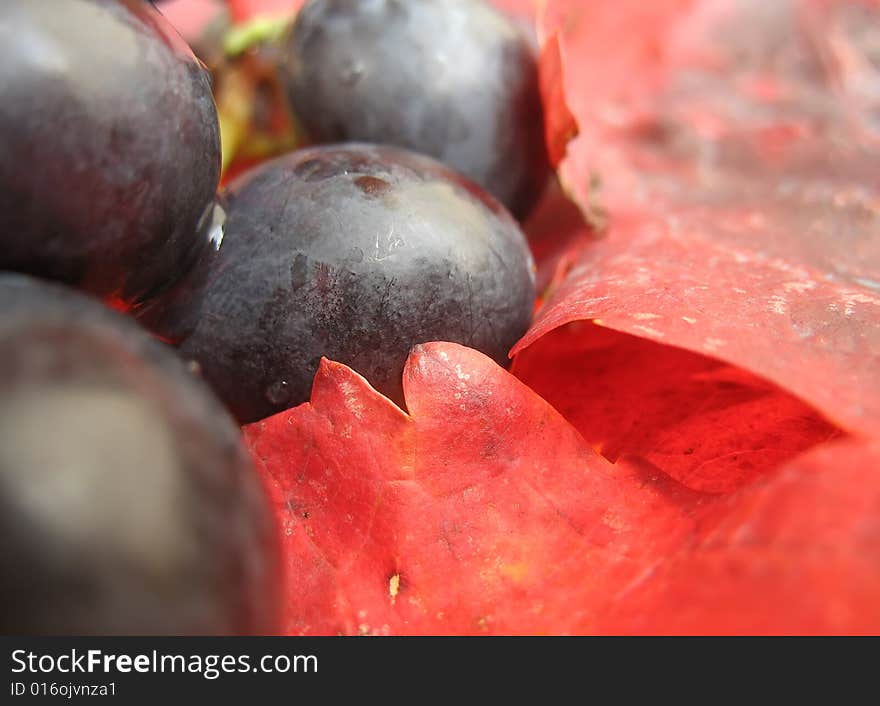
{"x": 109, "y": 146}
{"x": 128, "y": 504}
{"x": 453, "y": 79}
{"x": 356, "y": 253}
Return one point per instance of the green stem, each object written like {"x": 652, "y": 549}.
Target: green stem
{"x": 260, "y": 30}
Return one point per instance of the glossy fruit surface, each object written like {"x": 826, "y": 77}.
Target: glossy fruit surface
{"x": 356, "y": 253}
{"x": 454, "y": 79}
{"x": 127, "y": 502}
{"x": 109, "y": 142}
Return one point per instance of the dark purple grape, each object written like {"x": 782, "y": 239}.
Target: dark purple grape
{"x": 109, "y": 142}
{"x": 127, "y": 501}
{"x": 356, "y": 253}
{"x": 454, "y": 79}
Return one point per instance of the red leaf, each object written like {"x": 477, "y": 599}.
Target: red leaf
{"x": 190, "y": 17}
{"x": 613, "y": 61}
{"x": 557, "y": 233}
{"x": 482, "y": 512}
{"x": 737, "y": 156}
{"x": 795, "y": 554}
{"x": 246, "y": 10}
{"x": 710, "y": 426}
{"x": 560, "y": 124}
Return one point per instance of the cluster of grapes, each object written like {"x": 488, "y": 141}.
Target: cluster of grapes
{"x": 128, "y": 501}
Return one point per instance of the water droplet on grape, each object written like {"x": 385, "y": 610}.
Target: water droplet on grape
{"x": 278, "y": 392}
